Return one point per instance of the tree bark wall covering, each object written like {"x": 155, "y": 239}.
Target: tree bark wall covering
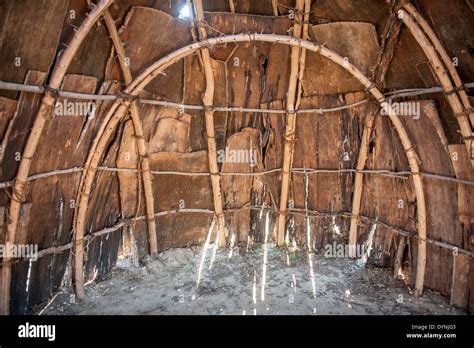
{"x": 249, "y": 75}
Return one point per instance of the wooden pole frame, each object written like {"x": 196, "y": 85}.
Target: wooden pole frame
{"x": 384, "y": 172}
{"x": 442, "y": 77}
{"x": 445, "y": 58}
{"x": 40, "y": 120}
{"x": 138, "y": 128}
{"x": 118, "y": 109}
{"x": 306, "y": 213}
{"x": 79, "y": 224}
{"x": 292, "y": 97}
{"x": 385, "y": 58}
{"x": 208, "y": 99}
{"x": 441, "y": 73}
{"x": 402, "y": 93}
{"x": 145, "y": 171}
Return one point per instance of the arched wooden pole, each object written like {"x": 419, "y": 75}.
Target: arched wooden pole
{"x": 292, "y": 96}
{"x": 41, "y": 119}
{"x": 119, "y": 108}
{"x": 145, "y": 167}
{"x": 441, "y": 72}
{"x": 445, "y": 58}
{"x": 208, "y": 99}
{"x": 419, "y": 193}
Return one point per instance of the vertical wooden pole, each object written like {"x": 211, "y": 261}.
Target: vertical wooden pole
{"x": 208, "y": 100}
{"x": 138, "y": 127}
{"x": 392, "y": 31}
{"x": 290, "y": 124}
{"x": 302, "y": 59}
{"x": 358, "y": 182}
{"x": 146, "y": 178}
{"x": 275, "y": 7}
{"x": 41, "y": 119}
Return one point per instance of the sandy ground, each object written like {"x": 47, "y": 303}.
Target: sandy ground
{"x": 167, "y": 284}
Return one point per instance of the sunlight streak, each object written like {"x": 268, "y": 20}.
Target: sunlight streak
{"x": 265, "y": 255}
{"x": 311, "y": 274}
{"x": 214, "y": 251}
{"x": 369, "y": 244}
{"x": 232, "y": 242}
{"x": 204, "y": 251}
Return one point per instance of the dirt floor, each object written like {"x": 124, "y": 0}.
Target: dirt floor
{"x": 167, "y": 284}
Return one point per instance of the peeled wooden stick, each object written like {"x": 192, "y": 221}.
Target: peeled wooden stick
{"x": 208, "y": 99}
{"x": 444, "y": 56}
{"x": 418, "y": 185}
{"x": 138, "y": 127}
{"x": 80, "y": 213}
{"x": 118, "y": 46}
{"x": 146, "y": 177}
{"x": 302, "y": 62}
{"x": 399, "y": 175}
{"x": 302, "y": 212}
{"x": 275, "y": 7}
{"x": 292, "y": 97}
{"x": 107, "y": 128}
{"x": 41, "y": 119}
{"x": 117, "y": 111}
{"x": 392, "y": 33}
{"x": 443, "y": 78}
{"x": 85, "y": 192}
{"x": 358, "y": 182}
{"x": 410, "y": 92}
{"x": 419, "y": 193}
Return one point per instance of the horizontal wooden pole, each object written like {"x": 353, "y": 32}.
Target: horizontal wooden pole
{"x": 295, "y": 211}
{"x": 403, "y": 93}
{"x": 400, "y": 175}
